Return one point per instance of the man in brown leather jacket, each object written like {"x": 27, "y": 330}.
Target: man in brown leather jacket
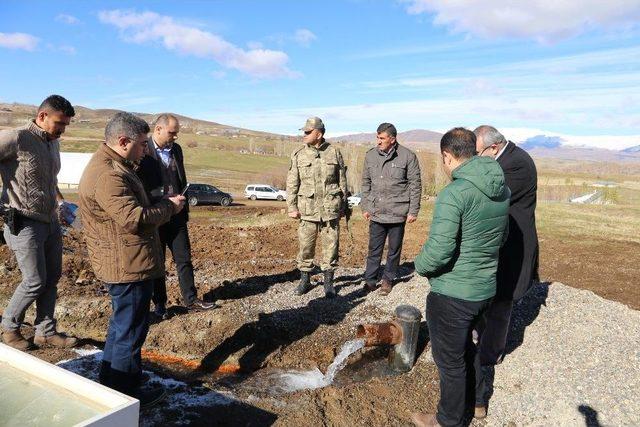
{"x": 121, "y": 232}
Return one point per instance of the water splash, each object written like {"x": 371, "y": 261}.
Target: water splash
{"x": 290, "y": 381}
{"x": 340, "y": 361}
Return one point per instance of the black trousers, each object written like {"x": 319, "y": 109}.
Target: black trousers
{"x": 492, "y": 342}
{"x": 378, "y": 234}
{"x": 451, "y": 322}
{"x": 175, "y": 235}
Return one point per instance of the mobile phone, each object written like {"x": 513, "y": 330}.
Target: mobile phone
{"x": 186, "y": 187}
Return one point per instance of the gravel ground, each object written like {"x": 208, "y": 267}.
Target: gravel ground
{"x": 574, "y": 357}
{"x": 576, "y": 363}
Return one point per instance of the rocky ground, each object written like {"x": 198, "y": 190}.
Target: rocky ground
{"x": 574, "y": 358}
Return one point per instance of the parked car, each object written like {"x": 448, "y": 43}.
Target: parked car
{"x": 354, "y": 200}
{"x": 200, "y": 194}
{"x": 263, "y": 191}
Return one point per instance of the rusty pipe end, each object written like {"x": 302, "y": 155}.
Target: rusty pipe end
{"x": 389, "y": 333}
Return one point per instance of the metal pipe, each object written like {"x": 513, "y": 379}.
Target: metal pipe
{"x": 403, "y": 355}
{"x": 389, "y": 333}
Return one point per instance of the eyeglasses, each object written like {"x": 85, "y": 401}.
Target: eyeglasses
{"x": 308, "y": 132}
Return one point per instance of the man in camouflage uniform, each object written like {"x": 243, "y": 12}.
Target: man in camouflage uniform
{"x": 316, "y": 193}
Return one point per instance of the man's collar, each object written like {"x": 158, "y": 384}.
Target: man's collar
{"x": 392, "y": 149}
{"x": 503, "y": 148}
{"x": 38, "y": 131}
{"x": 155, "y": 145}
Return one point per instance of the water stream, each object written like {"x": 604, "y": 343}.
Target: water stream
{"x": 290, "y": 381}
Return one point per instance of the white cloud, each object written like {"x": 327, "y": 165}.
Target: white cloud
{"x": 541, "y": 20}
{"x": 151, "y": 27}
{"x": 67, "y": 19}
{"x": 304, "y": 37}
{"x": 19, "y": 41}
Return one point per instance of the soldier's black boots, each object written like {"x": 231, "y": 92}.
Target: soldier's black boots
{"x": 329, "y": 291}
{"x": 305, "y": 283}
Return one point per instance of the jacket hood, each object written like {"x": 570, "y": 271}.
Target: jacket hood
{"x": 484, "y": 173}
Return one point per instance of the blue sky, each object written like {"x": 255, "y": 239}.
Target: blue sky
{"x": 568, "y": 69}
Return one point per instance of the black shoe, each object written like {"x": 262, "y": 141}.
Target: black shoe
{"x": 150, "y": 397}
{"x": 199, "y": 305}
{"x": 329, "y": 290}
{"x": 305, "y": 283}
{"x": 369, "y": 287}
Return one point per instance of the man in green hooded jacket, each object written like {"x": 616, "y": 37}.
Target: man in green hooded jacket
{"x": 460, "y": 259}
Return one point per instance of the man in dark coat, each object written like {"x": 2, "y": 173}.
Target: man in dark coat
{"x": 518, "y": 263}
{"x": 162, "y": 173}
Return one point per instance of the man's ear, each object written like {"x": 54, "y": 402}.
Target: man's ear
{"x": 122, "y": 142}
{"x": 41, "y": 115}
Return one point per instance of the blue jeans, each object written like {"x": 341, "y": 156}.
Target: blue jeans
{"x": 128, "y": 327}
{"x": 450, "y": 322}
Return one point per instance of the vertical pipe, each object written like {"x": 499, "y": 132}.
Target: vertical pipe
{"x": 403, "y": 355}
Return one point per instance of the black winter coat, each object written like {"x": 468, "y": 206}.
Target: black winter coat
{"x": 150, "y": 173}
{"x": 518, "y": 263}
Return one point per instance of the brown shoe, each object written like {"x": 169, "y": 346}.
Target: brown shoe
{"x": 421, "y": 419}
{"x": 56, "y": 340}
{"x": 480, "y": 412}
{"x": 16, "y": 340}
{"x": 385, "y": 287}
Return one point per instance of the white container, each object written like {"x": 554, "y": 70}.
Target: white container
{"x": 36, "y": 393}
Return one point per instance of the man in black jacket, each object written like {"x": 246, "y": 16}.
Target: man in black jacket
{"x": 163, "y": 174}
{"x": 518, "y": 262}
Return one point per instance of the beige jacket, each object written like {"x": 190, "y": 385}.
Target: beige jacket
{"x": 29, "y": 165}
{"x": 317, "y": 183}
{"x": 120, "y": 225}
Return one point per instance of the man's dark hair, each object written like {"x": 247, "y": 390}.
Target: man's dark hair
{"x": 57, "y": 103}
{"x": 387, "y": 128}
{"x": 459, "y": 142}
{"x": 124, "y": 124}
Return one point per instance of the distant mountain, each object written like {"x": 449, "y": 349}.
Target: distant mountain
{"x": 17, "y": 114}
{"x": 541, "y": 141}
{"x": 632, "y": 150}
{"x": 416, "y": 138}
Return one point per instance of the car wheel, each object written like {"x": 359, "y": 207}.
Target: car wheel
{"x": 253, "y": 197}
{"x": 280, "y": 198}
{"x": 225, "y": 201}
{"x": 193, "y": 200}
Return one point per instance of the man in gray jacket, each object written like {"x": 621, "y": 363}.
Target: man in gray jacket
{"x": 391, "y": 189}
{"x": 29, "y": 165}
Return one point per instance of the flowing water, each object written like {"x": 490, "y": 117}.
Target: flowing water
{"x": 290, "y": 381}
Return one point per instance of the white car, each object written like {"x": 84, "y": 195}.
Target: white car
{"x": 263, "y": 191}
{"x": 354, "y": 200}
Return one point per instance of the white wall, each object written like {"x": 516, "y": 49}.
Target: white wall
{"x": 72, "y": 166}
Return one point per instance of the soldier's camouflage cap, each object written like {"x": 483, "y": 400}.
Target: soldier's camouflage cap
{"x": 312, "y": 123}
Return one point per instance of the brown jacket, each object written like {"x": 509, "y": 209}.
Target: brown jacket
{"x": 120, "y": 225}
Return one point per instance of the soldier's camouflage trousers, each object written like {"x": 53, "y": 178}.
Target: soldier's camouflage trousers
{"x": 307, "y": 235}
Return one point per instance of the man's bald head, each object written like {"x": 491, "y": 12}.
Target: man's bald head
{"x": 166, "y": 130}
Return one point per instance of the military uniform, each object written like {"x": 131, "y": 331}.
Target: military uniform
{"x": 317, "y": 188}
